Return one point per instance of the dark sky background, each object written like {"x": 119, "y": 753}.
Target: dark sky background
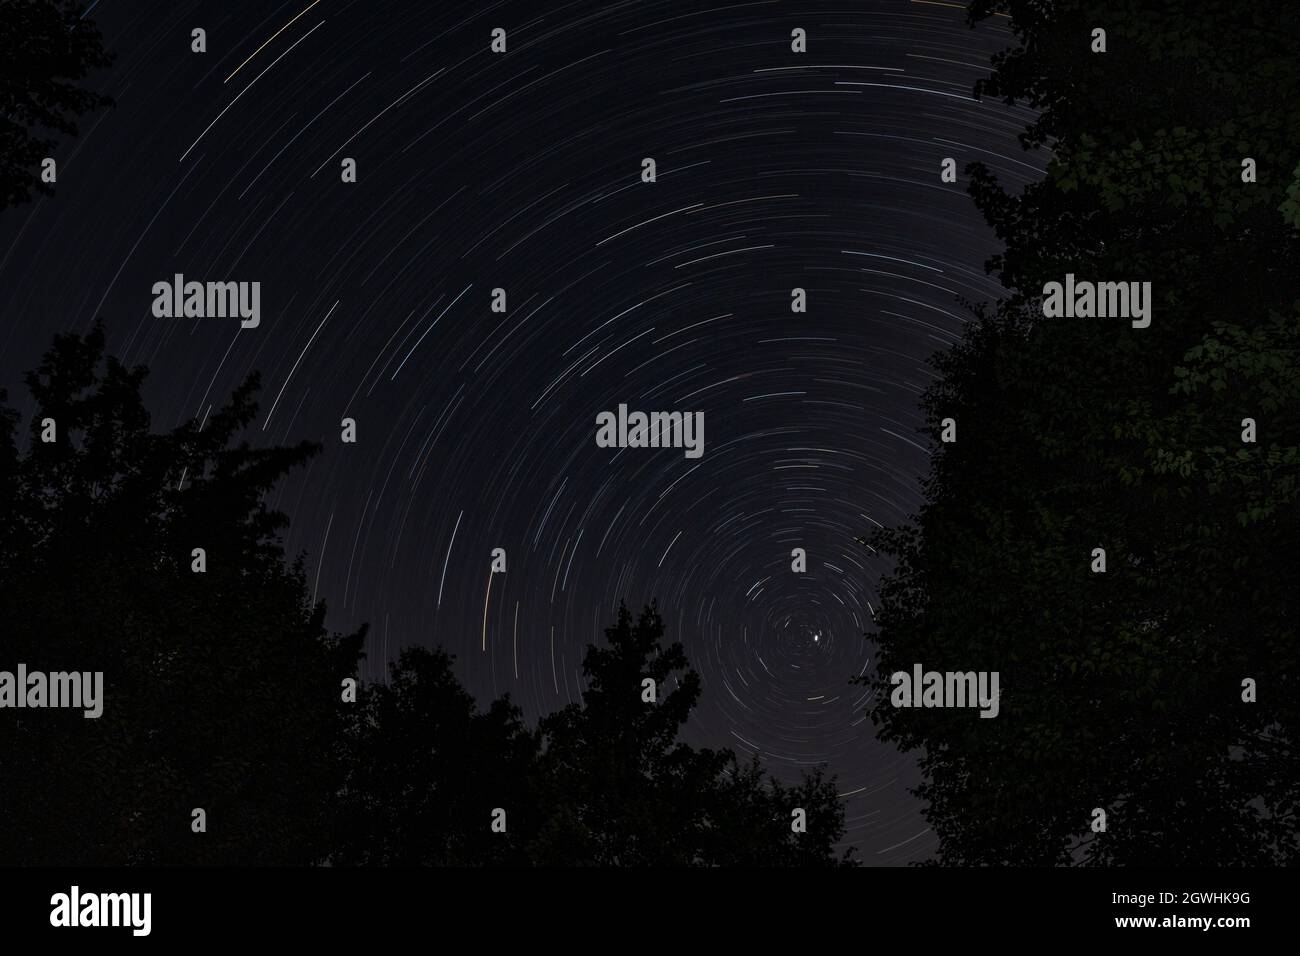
{"x": 476, "y": 430}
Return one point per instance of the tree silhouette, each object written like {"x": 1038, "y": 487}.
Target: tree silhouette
{"x": 427, "y": 771}
{"x": 1120, "y": 690}
{"x": 751, "y": 821}
{"x": 48, "y": 48}
{"x": 222, "y": 689}
{"x": 602, "y": 783}
{"x": 617, "y": 788}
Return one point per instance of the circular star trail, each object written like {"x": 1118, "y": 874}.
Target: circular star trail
{"x": 775, "y": 170}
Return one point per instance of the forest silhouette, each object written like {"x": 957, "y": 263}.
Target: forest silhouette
{"x": 1122, "y": 690}
{"x": 225, "y": 691}
{"x": 1162, "y": 690}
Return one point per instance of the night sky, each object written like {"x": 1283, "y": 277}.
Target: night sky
{"x": 476, "y": 430}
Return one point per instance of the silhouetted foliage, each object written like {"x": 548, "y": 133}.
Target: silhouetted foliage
{"x": 617, "y": 787}
{"x": 602, "y": 783}
{"x": 222, "y": 688}
{"x": 48, "y": 47}
{"x": 427, "y": 770}
{"x": 1121, "y": 690}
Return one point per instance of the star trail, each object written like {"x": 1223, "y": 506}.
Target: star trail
{"x": 475, "y": 429}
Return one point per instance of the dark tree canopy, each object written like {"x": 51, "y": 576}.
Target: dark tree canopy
{"x": 222, "y": 689}
{"x": 48, "y": 49}
{"x": 619, "y": 788}
{"x": 604, "y": 782}
{"x": 427, "y": 769}
{"x": 1121, "y": 690}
